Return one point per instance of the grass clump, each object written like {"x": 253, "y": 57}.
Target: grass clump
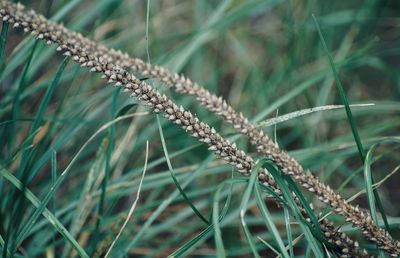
{"x": 104, "y": 201}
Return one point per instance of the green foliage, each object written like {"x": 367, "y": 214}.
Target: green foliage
{"x": 72, "y": 150}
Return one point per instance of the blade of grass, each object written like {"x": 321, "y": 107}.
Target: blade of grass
{"x": 133, "y": 205}
{"x": 269, "y": 246}
{"x": 303, "y": 112}
{"x": 269, "y": 222}
{"x": 217, "y": 218}
{"x": 46, "y": 213}
{"x": 244, "y": 202}
{"x": 289, "y": 231}
{"x": 342, "y": 92}
{"x": 3, "y": 40}
{"x": 17, "y": 203}
{"x": 368, "y": 184}
{"x": 2, "y": 245}
{"x": 49, "y": 93}
{"x": 306, "y": 227}
{"x": 305, "y": 204}
{"x": 53, "y": 181}
{"x": 84, "y": 207}
{"x": 187, "y": 199}
{"x": 350, "y": 118}
{"x": 189, "y": 202}
{"x": 167, "y": 201}
{"x": 372, "y": 193}
{"x": 26, "y": 228}
{"x": 104, "y": 183}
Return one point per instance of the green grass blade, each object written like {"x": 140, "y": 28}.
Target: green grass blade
{"x": 372, "y": 193}
{"x": 167, "y": 201}
{"x": 53, "y": 181}
{"x": 245, "y": 201}
{"x": 49, "y": 93}
{"x": 25, "y": 229}
{"x": 289, "y": 231}
{"x": 269, "y": 246}
{"x": 269, "y": 222}
{"x": 16, "y": 104}
{"x": 217, "y": 218}
{"x": 368, "y": 184}
{"x": 65, "y": 10}
{"x": 342, "y": 92}
{"x": 306, "y": 227}
{"x": 305, "y": 204}
{"x": 171, "y": 170}
{"x": 350, "y": 118}
{"x": 2, "y": 245}
{"x": 3, "y": 40}
{"x": 104, "y": 183}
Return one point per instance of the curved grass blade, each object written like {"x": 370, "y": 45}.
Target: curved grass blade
{"x": 131, "y": 210}
{"x": 342, "y": 92}
{"x": 217, "y": 218}
{"x": 305, "y": 204}
{"x": 165, "y": 204}
{"x": 368, "y": 184}
{"x": 372, "y": 193}
{"x": 306, "y": 227}
{"x": 269, "y": 222}
{"x": 171, "y": 170}
{"x": 245, "y": 200}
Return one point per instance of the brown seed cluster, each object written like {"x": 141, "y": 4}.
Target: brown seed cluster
{"x": 114, "y": 64}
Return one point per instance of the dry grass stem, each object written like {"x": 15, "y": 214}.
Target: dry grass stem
{"x": 133, "y": 205}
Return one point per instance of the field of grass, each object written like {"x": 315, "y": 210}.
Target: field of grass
{"x": 87, "y": 171}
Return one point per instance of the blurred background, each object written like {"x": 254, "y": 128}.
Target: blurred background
{"x": 264, "y": 56}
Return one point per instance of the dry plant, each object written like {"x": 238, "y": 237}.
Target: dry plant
{"x": 115, "y": 66}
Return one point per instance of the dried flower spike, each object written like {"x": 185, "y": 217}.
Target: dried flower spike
{"x": 91, "y": 57}
{"x": 266, "y": 147}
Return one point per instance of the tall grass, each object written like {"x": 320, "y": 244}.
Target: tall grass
{"x": 48, "y": 115}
